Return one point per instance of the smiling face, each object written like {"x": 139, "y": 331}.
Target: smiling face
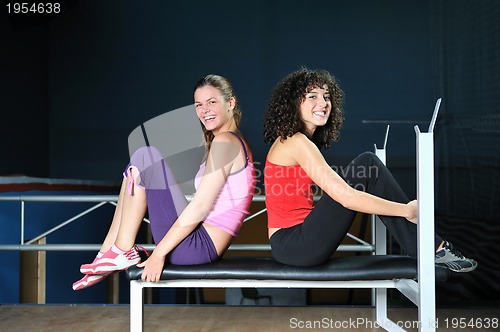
{"x": 315, "y": 108}
{"x": 214, "y": 112}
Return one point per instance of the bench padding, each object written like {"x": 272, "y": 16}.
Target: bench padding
{"x": 383, "y": 267}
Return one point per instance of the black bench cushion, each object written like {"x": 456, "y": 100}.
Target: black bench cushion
{"x": 383, "y": 267}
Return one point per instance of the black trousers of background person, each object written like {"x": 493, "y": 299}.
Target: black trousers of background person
{"x": 318, "y": 237}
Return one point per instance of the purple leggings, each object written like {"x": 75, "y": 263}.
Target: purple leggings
{"x": 165, "y": 203}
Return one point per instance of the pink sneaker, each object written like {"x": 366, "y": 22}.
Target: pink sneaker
{"x": 89, "y": 280}
{"x": 112, "y": 260}
{"x": 99, "y": 255}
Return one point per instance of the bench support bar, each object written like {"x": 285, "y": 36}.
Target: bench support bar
{"x": 408, "y": 287}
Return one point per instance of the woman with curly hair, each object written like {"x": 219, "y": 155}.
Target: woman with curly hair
{"x": 304, "y": 116}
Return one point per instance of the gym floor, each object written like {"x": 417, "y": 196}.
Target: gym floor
{"x": 110, "y": 318}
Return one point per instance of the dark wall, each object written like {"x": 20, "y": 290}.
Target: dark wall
{"x": 24, "y": 51}
{"x": 107, "y": 66}
{"x": 466, "y": 67}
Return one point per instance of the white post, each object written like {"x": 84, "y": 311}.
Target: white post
{"x": 425, "y": 238}
{"x": 380, "y": 230}
{"x": 136, "y": 306}
{"x": 380, "y": 238}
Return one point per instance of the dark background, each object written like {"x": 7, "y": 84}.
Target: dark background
{"x": 74, "y": 85}
{"x": 78, "y": 84}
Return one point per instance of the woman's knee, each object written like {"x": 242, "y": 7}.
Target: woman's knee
{"x": 365, "y": 166}
{"x": 367, "y": 158}
{"x": 145, "y": 156}
{"x": 370, "y": 161}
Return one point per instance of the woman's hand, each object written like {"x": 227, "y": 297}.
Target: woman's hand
{"x": 153, "y": 266}
{"x": 412, "y": 211}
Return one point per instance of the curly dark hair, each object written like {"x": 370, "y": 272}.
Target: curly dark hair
{"x": 283, "y": 119}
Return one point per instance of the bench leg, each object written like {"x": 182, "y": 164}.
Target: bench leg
{"x": 136, "y": 306}
{"x": 381, "y": 312}
{"x": 381, "y": 304}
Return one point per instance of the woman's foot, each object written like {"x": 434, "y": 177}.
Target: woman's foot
{"x": 112, "y": 260}
{"x": 453, "y": 259}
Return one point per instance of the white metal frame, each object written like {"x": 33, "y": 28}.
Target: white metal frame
{"x": 425, "y": 235}
{"x": 379, "y": 235}
{"x": 137, "y": 294}
{"x": 102, "y": 200}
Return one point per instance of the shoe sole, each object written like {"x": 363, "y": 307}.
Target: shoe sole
{"x": 466, "y": 269}
{"x": 106, "y": 269}
{"x": 81, "y": 285}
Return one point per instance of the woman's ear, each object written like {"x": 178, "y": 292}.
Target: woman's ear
{"x": 232, "y": 103}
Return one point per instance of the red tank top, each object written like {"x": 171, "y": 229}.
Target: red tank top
{"x": 289, "y": 196}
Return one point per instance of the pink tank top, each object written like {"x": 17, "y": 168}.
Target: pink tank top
{"x": 233, "y": 201}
